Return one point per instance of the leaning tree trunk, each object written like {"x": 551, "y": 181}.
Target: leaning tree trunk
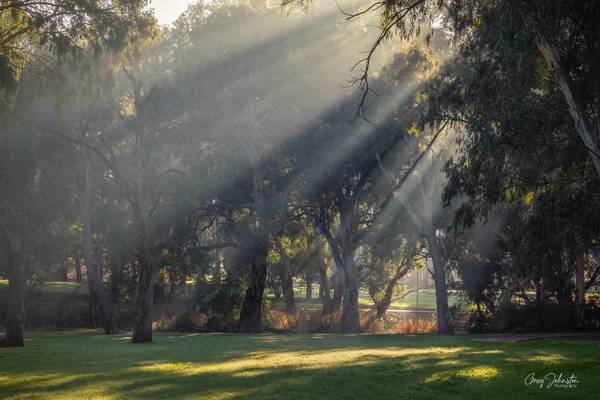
{"x": 15, "y": 307}
{"x": 444, "y": 320}
{"x": 251, "y": 314}
{"x": 576, "y": 108}
{"x": 101, "y": 312}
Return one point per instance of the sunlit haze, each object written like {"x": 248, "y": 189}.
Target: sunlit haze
{"x": 167, "y": 11}
{"x": 299, "y": 199}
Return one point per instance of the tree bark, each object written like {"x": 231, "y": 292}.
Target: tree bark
{"x": 15, "y": 307}
{"x": 342, "y": 250}
{"x": 287, "y": 286}
{"x": 101, "y": 312}
{"x": 144, "y": 302}
{"x": 580, "y": 291}
{"x": 251, "y": 314}
{"x": 287, "y": 282}
{"x": 576, "y": 108}
{"x": 309, "y": 281}
{"x": 338, "y": 294}
{"x": 78, "y": 269}
{"x": 115, "y": 278}
{"x": 350, "y": 320}
{"x": 324, "y": 294}
{"x": 444, "y": 321}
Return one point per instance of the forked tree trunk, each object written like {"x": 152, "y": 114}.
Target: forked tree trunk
{"x": 15, "y": 307}
{"x": 382, "y": 305}
{"x": 251, "y": 314}
{"x": 444, "y": 320}
{"x": 342, "y": 249}
{"x": 101, "y": 312}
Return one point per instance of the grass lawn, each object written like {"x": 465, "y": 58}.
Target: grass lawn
{"x": 409, "y": 302}
{"x": 426, "y": 296}
{"x": 57, "y": 287}
{"x": 81, "y": 364}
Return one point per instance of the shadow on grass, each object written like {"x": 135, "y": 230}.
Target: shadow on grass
{"x": 86, "y": 364}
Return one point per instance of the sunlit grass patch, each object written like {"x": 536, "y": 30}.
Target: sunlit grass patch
{"x": 82, "y": 364}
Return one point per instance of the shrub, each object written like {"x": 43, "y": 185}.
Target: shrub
{"x": 533, "y": 317}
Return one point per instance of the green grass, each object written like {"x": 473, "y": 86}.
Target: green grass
{"x": 426, "y": 296}
{"x": 58, "y": 287}
{"x": 409, "y": 302}
{"x": 88, "y": 365}
{"x": 63, "y": 287}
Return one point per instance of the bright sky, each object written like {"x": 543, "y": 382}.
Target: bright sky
{"x": 167, "y": 11}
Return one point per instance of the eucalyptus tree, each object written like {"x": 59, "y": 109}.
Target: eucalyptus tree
{"x": 66, "y": 28}
{"x": 81, "y": 113}
{"x": 33, "y": 199}
{"x": 342, "y": 192}
{"x": 386, "y": 261}
{"x": 34, "y": 35}
{"x": 261, "y": 96}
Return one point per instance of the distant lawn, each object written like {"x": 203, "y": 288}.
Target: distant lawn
{"x": 58, "y": 287}
{"x": 63, "y": 287}
{"x": 426, "y": 296}
{"x": 426, "y": 300}
{"x": 87, "y": 365}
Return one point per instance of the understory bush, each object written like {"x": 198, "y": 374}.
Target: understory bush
{"x": 533, "y": 317}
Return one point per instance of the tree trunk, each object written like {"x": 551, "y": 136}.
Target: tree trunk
{"x": 287, "y": 282}
{"x": 580, "y": 291}
{"x": 101, "y": 313}
{"x": 444, "y": 321}
{"x": 287, "y": 285}
{"x": 338, "y": 294}
{"x": 115, "y": 278}
{"x": 15, "y": 307}
{"x": 251, "y": 314}
{"x": 144, "y": 302}
{"x": 78, "y": 269}
{"x": 350, "y": 319}
{"x": 576, "y": 108}
{"x": 324, "y": 294}
{"x": 309, "y": 282}
{"x": 64, "y": 272}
